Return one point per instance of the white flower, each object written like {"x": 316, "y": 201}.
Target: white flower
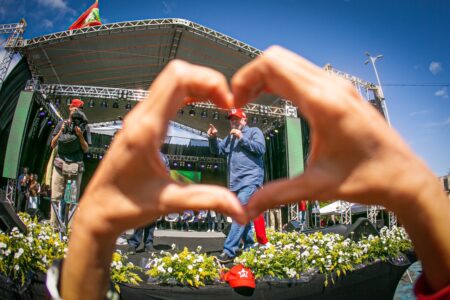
{"x": 169, "y": 269}
{"x": 16, "y": 267}
{"x": 174, "y": 246}
{"x": 189, "y": 257}
{"x": 18, "y": 253}
{"x": 190, "y": 267}
{"x": 161, "y": 269}
{"x": 200, "y": 270}
{"x": 197, "y": 278}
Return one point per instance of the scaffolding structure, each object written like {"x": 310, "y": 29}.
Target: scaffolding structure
{"x": 13, "y": 43}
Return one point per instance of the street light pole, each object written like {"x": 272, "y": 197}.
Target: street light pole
{"x": 372, "y": 210}
{"x": 373, "y": 59}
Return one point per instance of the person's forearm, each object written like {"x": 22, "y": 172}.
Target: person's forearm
{"x": 55, "y": 140}
{"x": 83, "y": 143}
{"x": 85, "y": 273}
{"x": 427, "y": 221}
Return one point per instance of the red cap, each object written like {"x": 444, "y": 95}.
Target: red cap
{"x": 240, "y": 276}
{"x": 237, "y": 112}
{"x": 76, "y": 103}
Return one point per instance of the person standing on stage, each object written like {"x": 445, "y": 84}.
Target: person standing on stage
{"x": 22, "y": 189}
{"x": 71, "y": 138}
{"x": 244, "y": 148}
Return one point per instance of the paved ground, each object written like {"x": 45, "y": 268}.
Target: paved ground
{"x": 404, "y": 289}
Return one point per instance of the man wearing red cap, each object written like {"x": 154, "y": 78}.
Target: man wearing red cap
{"x": 244, "y": 148}
{"x": 71, "y": 139}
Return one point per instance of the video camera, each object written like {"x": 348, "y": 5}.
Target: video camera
{"x": 78, "y": 119}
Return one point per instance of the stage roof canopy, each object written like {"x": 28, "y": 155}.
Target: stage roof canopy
{"x": 131, "y": 54}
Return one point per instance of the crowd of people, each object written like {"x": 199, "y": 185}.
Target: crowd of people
{"x": 29, "y": 191}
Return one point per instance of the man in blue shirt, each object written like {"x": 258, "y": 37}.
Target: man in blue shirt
{"x": 244, "y": 148}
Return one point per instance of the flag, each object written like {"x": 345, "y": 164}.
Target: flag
{"x": 90, "y": 17}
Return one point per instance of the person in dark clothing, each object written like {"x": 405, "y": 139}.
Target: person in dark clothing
{"x": 71, "y": 138}
{"x": 22, "y": 190}
{"x": 244, "y": 148}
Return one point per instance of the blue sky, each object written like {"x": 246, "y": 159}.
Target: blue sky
{"x": 413, "y": 36}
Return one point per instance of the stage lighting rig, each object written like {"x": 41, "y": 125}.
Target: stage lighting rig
{"x": 216, "y": 115}
{"x": 204, "y": 114}
{"x": 128, "y": 106}
{"x": 42, "y": 112}
{"x": 104, "y": 104}
{"x": 115, "y": 104}
{"x": 91, "y": 103}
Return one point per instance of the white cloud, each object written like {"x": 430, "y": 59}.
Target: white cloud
{"x": 447, "y": 122}
{"x": 435, "y": 67}
{"x": 438, "y": 124}
{"x": 56, "y": 4}
{"x": 47, "y": 24}
{"x": 168, "y": 7}
{"x": 420, "y": 112}
{"x": 442, "y": 93}
{"x": 60, "y": 5}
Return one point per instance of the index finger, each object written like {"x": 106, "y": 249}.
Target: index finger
{"x": 178, "y": 80}
{"x": 288, "y": 75}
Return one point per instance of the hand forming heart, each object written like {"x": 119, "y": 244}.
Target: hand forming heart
{"x": 354, "y": 155}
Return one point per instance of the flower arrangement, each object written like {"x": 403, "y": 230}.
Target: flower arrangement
{"x": 192, "y": 268}
{"x": 122, "y": 271}
{"x": 294, "y": 255}
{"x": 24, "y": 254}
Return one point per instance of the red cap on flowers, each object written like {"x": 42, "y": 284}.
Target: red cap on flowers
{"x": 76, "y": 103}
{"x": 237, "y": 112}
{"x": 240, "y": 276}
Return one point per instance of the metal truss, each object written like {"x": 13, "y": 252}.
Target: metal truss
{"x": 392, "y": 219}
{"x": 56, "y": 90}
{"x": 346, "y": 213}
{"x": 14, "y": 41}
{"x": 143, "y": 25}
{"x": 363, "y": 87}
{"x": 186, "y": 158}
{"x": 372, "y": 212}
{"x": 293, "y": 211}
{"x": 358, "y": 82}
{"x": 10, "y": 191}
{"x": 171, "y": 157}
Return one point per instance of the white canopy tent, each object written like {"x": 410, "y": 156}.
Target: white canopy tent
{"x": 177, "y": 134}
{"x": 337, "y": 208}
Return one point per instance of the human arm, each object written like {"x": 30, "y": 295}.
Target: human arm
{"x": 215, "y": 146}
{"x": 83, "y": 143}
{"x": 362, "y": 159}
{"x": 131, "y": 186}
{"x": 57, "y": 133}
{"x": 255, "y": 143}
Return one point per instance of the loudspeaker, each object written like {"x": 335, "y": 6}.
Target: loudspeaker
{"x": 362, "y": 227}
{"x": 9, "y": 219}
{"x": 293, "y": 226}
